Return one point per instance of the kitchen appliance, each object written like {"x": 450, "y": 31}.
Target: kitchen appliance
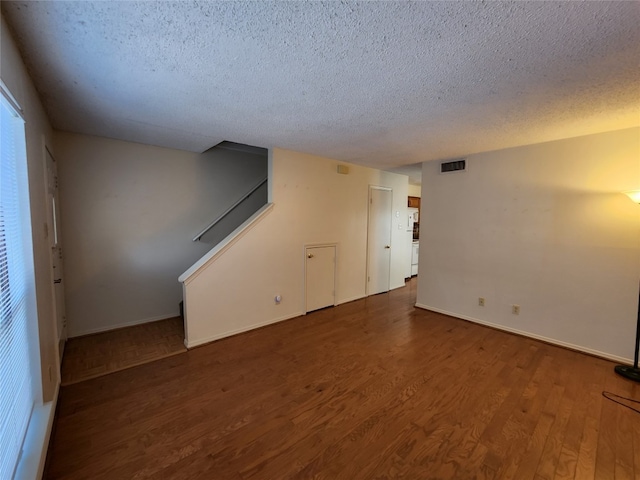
{"x": 412, "y": 227}
{"x": 415, "y": 250}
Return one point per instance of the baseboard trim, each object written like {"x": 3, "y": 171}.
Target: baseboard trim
{"x": 352, "y": 299}
{"x": 553, "y": 341}
{"x": 229, "y": 333}
{"x": 124, "y": 325}
{"x": 34, "y": 457}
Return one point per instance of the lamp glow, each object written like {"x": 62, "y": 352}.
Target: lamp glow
{"x": 633, "y": 195}
{"x": 632, "y": 373}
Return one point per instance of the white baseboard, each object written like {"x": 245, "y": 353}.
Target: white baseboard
{"x": 123, "y": 325}
{"x": 535, "y": 336}
{"x": 36, "y": 442}
{"x": 229, "y": 333}
{"x": 352, "y": 299}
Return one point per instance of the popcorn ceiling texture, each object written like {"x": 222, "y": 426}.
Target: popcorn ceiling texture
{"x": 377, "y": 83}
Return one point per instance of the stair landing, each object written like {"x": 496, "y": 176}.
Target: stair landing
{"x": 99, "y": 354}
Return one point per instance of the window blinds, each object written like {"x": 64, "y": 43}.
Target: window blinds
{"x": 16, "y": 281}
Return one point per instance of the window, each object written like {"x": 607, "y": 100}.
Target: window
{"x": 16, "y": 291}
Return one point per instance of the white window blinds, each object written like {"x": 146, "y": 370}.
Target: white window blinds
{"x": 16, "y": 287}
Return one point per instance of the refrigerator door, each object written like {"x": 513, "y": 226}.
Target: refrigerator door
{"x": 412, "y": 214}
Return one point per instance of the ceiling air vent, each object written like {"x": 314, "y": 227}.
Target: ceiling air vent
{"x": 454, "y": 166}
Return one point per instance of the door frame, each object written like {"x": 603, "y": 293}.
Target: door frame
{"x": 54, "y": 248}
{"x": 335, "y": 272}
{"x": 369, "y": 203}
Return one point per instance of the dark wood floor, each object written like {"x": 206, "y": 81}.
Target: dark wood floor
{"x": 374, "y": 389}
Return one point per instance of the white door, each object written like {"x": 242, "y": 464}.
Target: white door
{"x": 320, "y": 274}
{"x": 379, "y": 240}
{"x": 53, "y": 232}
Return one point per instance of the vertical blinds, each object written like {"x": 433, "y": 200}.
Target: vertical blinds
{"x": 16, "y": 281}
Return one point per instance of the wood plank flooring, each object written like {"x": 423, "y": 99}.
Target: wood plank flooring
{"x": 373, "y": 389}
{"x": 99, "y": 354}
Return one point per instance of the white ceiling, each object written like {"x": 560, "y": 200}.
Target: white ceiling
{"x": 383, "y": 84}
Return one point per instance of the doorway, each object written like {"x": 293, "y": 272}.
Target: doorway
{"x": 379, "y": 240}
{"x": 320, "y": 277}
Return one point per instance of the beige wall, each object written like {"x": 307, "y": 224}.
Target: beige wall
{"x": 313, "y": 204}
{"x": 415, "y": 190}
{"x": 38, "y": 134}
{"x": 542, "y": 226}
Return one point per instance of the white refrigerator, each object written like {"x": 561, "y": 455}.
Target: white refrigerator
{"x": 412, "y": 217}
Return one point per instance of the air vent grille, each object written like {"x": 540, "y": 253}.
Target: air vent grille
{"x": 454, "y": 166}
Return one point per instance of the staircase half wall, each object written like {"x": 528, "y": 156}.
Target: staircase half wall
{"x": 233, "y": 288}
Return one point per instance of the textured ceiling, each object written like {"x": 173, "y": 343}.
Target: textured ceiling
{"x": 376, "y": 83}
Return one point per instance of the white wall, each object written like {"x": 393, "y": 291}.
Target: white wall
{"x": 542, "y": 226}
{"x": 313, "y": 205}
{"x": 129, "y": 213}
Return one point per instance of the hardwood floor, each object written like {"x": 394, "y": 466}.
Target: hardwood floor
{"x": 373, "y": 389}
{"x": 99, "y": 354}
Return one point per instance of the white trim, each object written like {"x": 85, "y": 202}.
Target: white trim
{"x": 125, "y": 324}
{"x": 229, "y": 333}
{"x": 225, "y": 244}
{"x": 553, "y": 341}
{"x": 352, "y": 299}
{"x": 32, "y": 462}
{"x": 11, "y": 99}
{"x": 381, "y": 187}
{"x": 270, "y": 175}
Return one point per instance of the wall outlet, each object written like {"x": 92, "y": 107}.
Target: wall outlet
{"x": 481, "y": 301}
{"x": 515, "y": 309}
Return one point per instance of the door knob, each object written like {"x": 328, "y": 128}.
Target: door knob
{"x": 387, "y": 246}
{"x": 310, "y": 255}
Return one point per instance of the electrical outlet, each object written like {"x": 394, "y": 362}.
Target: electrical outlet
{"x": 515, "y": 309}
{"x": 481, "y": 301}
